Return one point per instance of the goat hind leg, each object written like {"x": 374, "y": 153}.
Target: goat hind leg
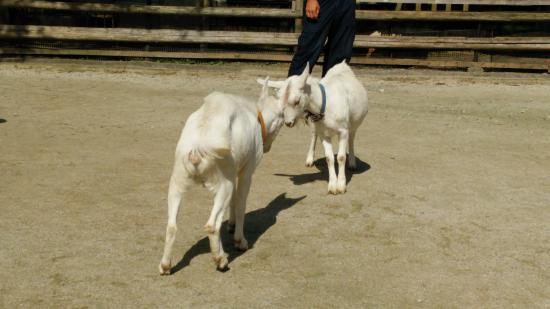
{"x": 175, "y": 195}
{"x": 240, "y": 209}
{"x": 351, "y": 158}
{"x": 222, "y": 199}
{"x": 232, "y": 205}
{"x": 341, "y": 157}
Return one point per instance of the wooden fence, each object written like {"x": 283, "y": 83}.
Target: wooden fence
{"x": 398, "y": 41}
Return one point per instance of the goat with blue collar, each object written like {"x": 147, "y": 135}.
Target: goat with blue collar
{"x": 336, "y": 104}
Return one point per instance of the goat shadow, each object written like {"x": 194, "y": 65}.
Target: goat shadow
{"x": 2, "y": 120}
{"x": 257, "y": 222}
{"x": 322, "y": 174}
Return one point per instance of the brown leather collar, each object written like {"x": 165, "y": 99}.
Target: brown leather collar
{"x": 262, "y": 124}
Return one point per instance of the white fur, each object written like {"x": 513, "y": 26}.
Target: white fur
{"x": 220, "y": 146}
{"x": 346, "y": 108}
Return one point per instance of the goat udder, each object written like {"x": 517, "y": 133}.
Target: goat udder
{"x": 194, "y": 158}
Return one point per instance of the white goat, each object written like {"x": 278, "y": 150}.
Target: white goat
{"x": 346, "y": 107}
{"x": 220, "y": 146}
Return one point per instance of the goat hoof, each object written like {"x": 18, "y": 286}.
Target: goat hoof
{"x": 241, "y": 244}
{"x": 332, "y": 189}
{"x": 221, "y": 262}
{"x": 164, "y": 268}
{"x": 230, "y": 228}
{"x": 309, "y": 163}
{"x": 341, "y": 187}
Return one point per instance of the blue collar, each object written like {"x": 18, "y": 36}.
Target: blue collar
{"x": 324, "y": 95}
{"x": 316, "y": 117}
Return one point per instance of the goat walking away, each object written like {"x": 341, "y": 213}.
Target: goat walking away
{"x": 220, "y": 146}
{"x": 339, "y": 105}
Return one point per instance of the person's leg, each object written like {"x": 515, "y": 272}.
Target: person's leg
{"x": 313, "y": 37}
{"x": 341, "y": 36}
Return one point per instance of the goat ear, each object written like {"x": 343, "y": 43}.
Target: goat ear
{"x": 260, "y": 81}
{"x": 306, "y": 69}
{"x": 303, "y": 77}
{"x": 265, "y": 89}
{"x": 271, "y": 83}
{"x": 284, "y": 97}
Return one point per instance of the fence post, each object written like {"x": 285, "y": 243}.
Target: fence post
{"x": 204, "y": 22}
{"x": 298, "y": 7}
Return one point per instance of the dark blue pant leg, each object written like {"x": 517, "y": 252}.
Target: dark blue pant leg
{"x": 341, "y": 36}
{"x": 313, "y": 37}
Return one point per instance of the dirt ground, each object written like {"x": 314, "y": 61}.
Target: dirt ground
{"x": 450, "y": 207}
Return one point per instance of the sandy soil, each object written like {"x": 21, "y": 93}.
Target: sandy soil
{"x": 450, "y": 207}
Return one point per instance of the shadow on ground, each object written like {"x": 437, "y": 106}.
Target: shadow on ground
{"x": 322, "y": 174}
{"x": 2, "y": 120}
{"x": 257, "y": 223}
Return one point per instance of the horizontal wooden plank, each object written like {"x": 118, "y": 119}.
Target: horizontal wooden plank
{"x": 524, "y": 64}
{"x": 273, "y": 12}
{"x": 452, "y": 16}
{"x": 152, "y": 9}
{"x": 452, "y": 63}
{"x": 146, "y": 35}
{"x": 170, "y": 9}
{"x": 454, "y": 43}
{"x": 467, "y": 2}
{"x": 148, "y": 54}
{"x": 265, "y": 38}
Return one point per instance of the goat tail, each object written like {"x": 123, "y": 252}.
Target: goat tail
{"x": 203, "y": 153}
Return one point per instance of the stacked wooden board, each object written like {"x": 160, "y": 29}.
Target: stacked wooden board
{"x": 397, "y": 35}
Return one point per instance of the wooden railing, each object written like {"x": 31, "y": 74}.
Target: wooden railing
{"x": 265, "y": 38}
{"x": 468, "y": 2}
{"x": 153, "y": 9}
{"x": 297, "y": 13}
{"x": 538, "y": 43}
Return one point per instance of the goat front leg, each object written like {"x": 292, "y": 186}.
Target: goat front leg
{"x": 311, "y": 151}
{"x": 341, "y": 157}
{"x": 176, "y": 190}
{"x": 243, "y": 189}
{"x": 222, "y": 199}
{"x": 329, "y": 154}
